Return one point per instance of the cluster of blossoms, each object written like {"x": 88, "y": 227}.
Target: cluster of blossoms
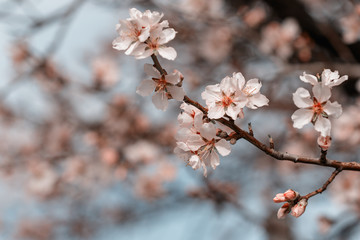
{"x": 143, "y": 34}
{"x": 318, "y": 109}
{"x": 201, "y": 138}
{"x": 232, "y": 95}
{"x": 197, "y": 140}
{"x": 293, "y": 203}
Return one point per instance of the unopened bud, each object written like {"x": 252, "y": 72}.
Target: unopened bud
{"x": 279, "y": 198}
{"x": 283, "y": 211}
{"x": 299, "y": 208}
{"x": 324, "y": 142}
{"x": 291, "y": 195}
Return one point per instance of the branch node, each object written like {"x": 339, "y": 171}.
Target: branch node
{"x": 250, "y": 129}
{"x": 271, "y": 142}
{"x": 323, "y": 156}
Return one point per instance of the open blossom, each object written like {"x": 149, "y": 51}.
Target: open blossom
{"x": 143, "y": 34}
{"x": 164, "y": 86}
{"x": 190, "y": 113}
{"x": 316, "y": 110}
{"x": 199, "y": 145}
{"x": 328, "y": 78}
{"x": 232, "y": 95}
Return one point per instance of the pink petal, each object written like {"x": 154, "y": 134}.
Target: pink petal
{"x": 323, "y": 125}
{"x": 333, "y": 109}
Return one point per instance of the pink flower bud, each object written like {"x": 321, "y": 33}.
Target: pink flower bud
{"x": 291, "y": 195}
{"x": 324, "y": 142}
{"x": 299, "y": 208}
{"x": 279, "y": 198}
{"x": 283, "y": 211}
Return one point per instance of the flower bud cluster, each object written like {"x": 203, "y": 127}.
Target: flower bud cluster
{"x": 292, "y": 204}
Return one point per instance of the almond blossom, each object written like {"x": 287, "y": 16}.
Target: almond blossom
{"x": 164, "y": 86}
{"x": 328, "y": 78}
{"x": 143, "y": 34}
{"x": 231, "y": 95}
{"x": 199, "y": 145}
{"x": 251, "y": 90}
{"x": 316, "y": 109}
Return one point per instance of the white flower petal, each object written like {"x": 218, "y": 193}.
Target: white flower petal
{"x": 233, "y": 111}
{"x": 333, "y": 109}
{"x": 146, "y": 87}
{"x": 195, "y": 162}
{"x": 321, "y": 93}
{"x": 173, "y": 78}
{"x": 223, "y": 147}
{"x": 302, "y": 98}
{"x": 308, "y": 78}
{"x": 258, "y": 100}
{"x": 240, "y": 79}
{"x": 252, "y": 87}
{"x": 214, "y": 159}
{"x": 301, "y": 117}
{"x": 216, "y": 111}
{"x": 121, "y": 43}
{"x": 208, "y": 131}
{"x": 323, "y": 125}
{"x": 166, "y": 36}
{"x": 167, "y": 52}
{"x": 176, "y": 92}
{"x": 151, "y": 71}
{"x": 160, "y": 100}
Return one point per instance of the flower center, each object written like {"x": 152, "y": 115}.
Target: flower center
{"x": 226, "y": 101}
{"x": 161, "y": 83}
{"x": 317, "y": 107}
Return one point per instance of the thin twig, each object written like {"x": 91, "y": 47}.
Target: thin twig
{"x": 326, "y": 184}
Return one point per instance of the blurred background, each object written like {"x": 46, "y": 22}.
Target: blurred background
{"x": 83, "y": 157}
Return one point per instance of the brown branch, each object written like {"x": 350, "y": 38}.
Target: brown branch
{"x": 326, "y": 184}
{"x": 283, "y": 156}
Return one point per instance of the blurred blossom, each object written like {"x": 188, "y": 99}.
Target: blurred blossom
{"x": 105, "y": 72}
{"x": 325, "y": 224}
{"x": 216, "y": 43}
{"x": 149, "y": 188}
{"x": 43, "y": 179}
{"x": 35, "y": 229}
{"x": 254, "y": 16}
{"x": 203, "y": 8}
{"x": 142, "y": 152}
{"x": 279, "y": 38}
{"x": 348, "y": 184}
{"x": 351, "y": 25}
{"x": 75, "y": 167}
{"x": 19, "y": 53}
{"x": 109, "y": 155}
{"x": 347, "y": 128}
